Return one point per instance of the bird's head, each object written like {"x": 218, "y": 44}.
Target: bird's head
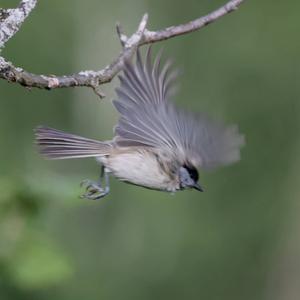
{"x": 188, "y": 176}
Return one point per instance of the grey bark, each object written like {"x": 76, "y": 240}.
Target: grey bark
{"x": 12, "y": 19}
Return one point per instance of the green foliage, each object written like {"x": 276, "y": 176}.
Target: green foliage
{"x": 38, "y": 263}
{"x": 28, "y": 257}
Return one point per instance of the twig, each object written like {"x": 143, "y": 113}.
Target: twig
{"x": 164, "y": 34}
{"x": 11, "y": 20}
{"x": 123, "y": 38}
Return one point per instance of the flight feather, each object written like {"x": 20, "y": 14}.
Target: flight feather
{"x": 148, "y": 118}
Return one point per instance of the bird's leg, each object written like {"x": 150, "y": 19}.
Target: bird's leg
{"x": 94, "y": 190}
{"x": 90, "y": 184}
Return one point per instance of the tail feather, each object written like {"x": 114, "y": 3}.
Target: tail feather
{"x": 55, "y": 144}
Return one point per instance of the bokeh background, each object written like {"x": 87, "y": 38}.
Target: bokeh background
{"x": 238, "y": 240}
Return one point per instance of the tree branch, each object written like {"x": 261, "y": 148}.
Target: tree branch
{"x": 11, "y": 20}
{"x": 164, "y": 34}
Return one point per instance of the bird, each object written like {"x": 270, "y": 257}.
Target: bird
{"x": 156, "y": 145}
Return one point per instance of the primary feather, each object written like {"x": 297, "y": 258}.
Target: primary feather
{"x": 149, "y": 119}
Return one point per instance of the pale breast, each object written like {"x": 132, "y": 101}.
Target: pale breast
{"x": 141, "y": 168}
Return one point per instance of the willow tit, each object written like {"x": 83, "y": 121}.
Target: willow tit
{"x": 155, "y": 144}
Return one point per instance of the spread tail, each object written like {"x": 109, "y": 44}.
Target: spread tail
{"x": 55, "y": 144}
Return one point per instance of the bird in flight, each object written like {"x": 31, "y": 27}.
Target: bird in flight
{"x": 155, "y": 145}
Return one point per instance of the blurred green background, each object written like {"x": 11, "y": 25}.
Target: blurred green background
{"x": 238, "y": 240}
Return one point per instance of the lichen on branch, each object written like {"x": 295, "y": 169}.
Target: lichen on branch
{"x": 12, "y": 19}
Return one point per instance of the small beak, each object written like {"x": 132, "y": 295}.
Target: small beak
{"x": 198, "y": 187}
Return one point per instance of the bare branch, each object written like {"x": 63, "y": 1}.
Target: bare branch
{"x": 90, "y": 78}
{"x": 84, "y": 78}
{"x": 155, "y": 36}
{"x": 12, "y": 19}
{"x": 122, "y": 36}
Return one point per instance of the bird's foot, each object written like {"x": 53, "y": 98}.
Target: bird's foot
{"x": 94, "y": 190}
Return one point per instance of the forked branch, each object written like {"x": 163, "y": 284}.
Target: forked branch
{"x": 12, "y": 19}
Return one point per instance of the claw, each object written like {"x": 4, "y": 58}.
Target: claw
{"x": 94, "y": 190}
{"x": 93, "y": 196}
{"x": 89, "y": 183}
{"x": 84, "y": 182}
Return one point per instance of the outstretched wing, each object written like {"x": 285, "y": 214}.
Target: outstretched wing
{"x": 149, "y": 119}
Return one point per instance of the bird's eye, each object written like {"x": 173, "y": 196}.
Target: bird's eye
{"x": 192, "y": 172}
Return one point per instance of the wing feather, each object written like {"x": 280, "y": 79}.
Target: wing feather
{"x": 149, "y": 119}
